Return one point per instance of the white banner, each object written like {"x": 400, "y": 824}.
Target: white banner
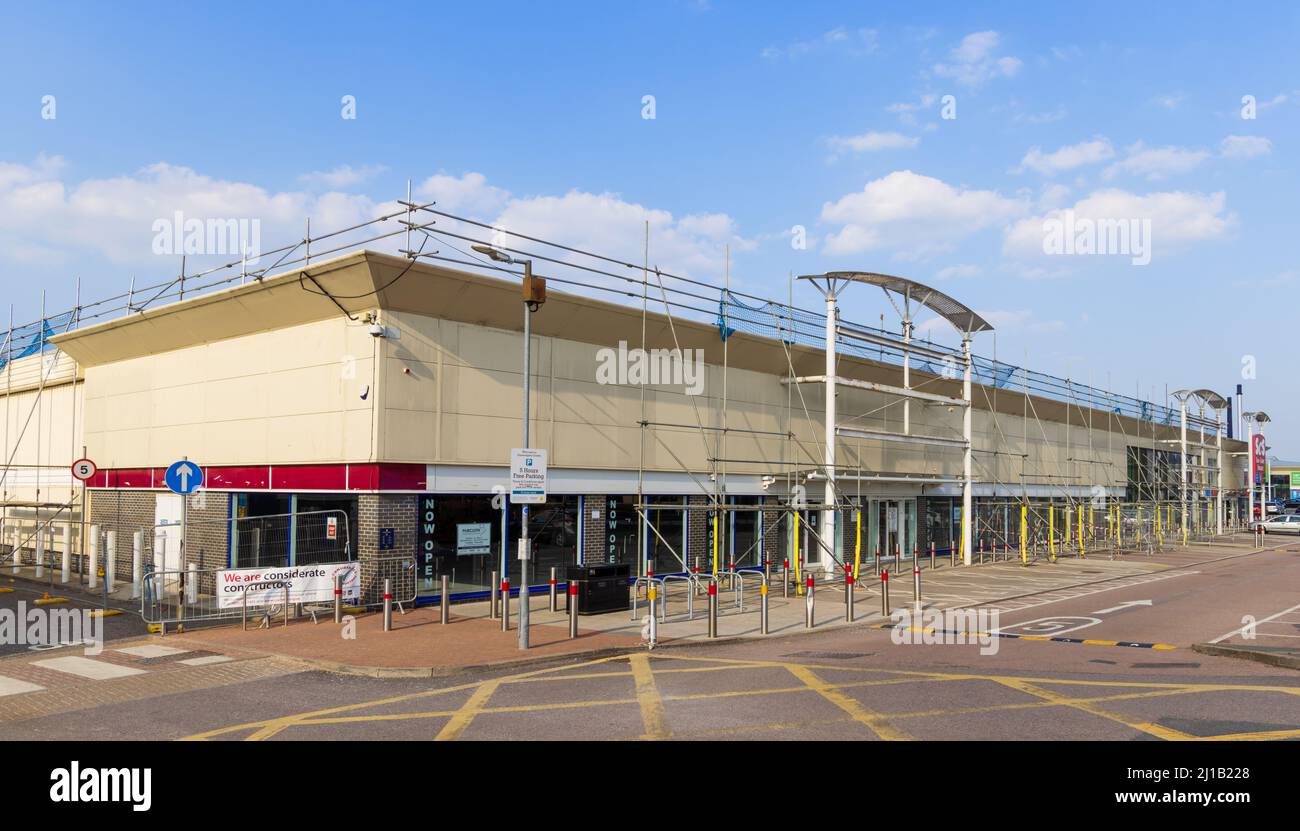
{"x": 307, "y": 584}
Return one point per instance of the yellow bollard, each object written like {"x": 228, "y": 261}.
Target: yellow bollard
{"x": 715, "y": 541}
{"x": 857, "y": 544}
{"x": 1051, "y": 532}
{"x": 1081, "y": 550}
{"x": 1024, "y": 532}
{"x": 798, "y": 581}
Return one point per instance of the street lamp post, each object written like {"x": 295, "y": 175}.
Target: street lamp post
{"x": 534, "y": 294}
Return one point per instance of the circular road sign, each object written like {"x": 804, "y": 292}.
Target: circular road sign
{"x": 83, "y": 469}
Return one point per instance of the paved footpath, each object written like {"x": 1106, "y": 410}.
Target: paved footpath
{"x": 854, "y": 682}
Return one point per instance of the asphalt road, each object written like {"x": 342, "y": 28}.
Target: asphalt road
{"x": 14, "y": 591}
{"x": 838, "y": 684}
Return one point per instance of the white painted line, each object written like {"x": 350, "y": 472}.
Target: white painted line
{"x": 87, "y": 667}
{"x": 1256, "y": 623}
{"x": 1273, "y": 635}
{"x": 12, "y": 686}
{"x": 204, "y": 660}
{"x": 152, "y": 651}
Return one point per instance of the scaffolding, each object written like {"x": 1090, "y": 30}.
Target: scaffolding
{"x": 1072, "y": 485}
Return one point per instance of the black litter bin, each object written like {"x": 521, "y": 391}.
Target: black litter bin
{"x": 601, "y": 588}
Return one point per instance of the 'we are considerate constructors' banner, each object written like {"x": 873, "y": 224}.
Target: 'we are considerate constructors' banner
{"x": 306, "y": 584}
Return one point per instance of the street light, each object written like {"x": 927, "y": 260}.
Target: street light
{"x": 1257, "y": 417}
{"x": 534, "y": 295}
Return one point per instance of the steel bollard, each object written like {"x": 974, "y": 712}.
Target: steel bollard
{"x": 388, "y": 605}
{"x": 884, "y": 593}
{"x": 916, "y": 587}
{"x": 931, "y": 556}
{"x": 915, "y": 555}
{"x": 505, "y": 605}
{"x": 653, "y": 597}
{"x": 555, "y": 602}
{"x": 810, "y": 588}
{"x": 338, "y": 598}
{"x": 877, "y": 562}
{"x": 980, "y": 558}
{"x": 444, "y": 600}
{"x": 848, "y": 594}
{"x": 493, "y": 612}
{"x": 713, "y": 607}
{"x": 785, "y": 579}
{"x": 762, "y": 607}
{"x": 573, "y": 609}
{"x": 952, "y": 554}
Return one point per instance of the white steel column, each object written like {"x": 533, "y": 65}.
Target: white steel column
{"x": 907, "y": 370}
{"x": 966, "y": 484}
{"x": 1218, "y": 494}
{"x": 1250, "y": 469}
{"x": 1182, "y": 445}
{"x": 827, "y": 531}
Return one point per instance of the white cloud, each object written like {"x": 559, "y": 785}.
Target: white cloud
{"x": 1068, "y": 157}
{"x": 1156, "y": 163}
{"x": 841, "y": 38}
{"x": 973, "y": 61}
{"x": 1245, "y": 147}
{"x": 906, "y": 208}
{"x": 907, "y": 110}
{"x": 342, "y": 176}
{"x": 1176, "y": 217}
{"x": 871, "y": 141}
{"x": 1169, "y": 101}
{"x": 468, "y": 194}
{"x": 954, "y": 272}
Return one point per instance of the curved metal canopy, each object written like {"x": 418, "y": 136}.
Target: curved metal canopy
{"x": 956, "y": 313}
{"x": 1210, "y": 397}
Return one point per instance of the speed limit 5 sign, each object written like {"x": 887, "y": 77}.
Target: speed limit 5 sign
{"x": 83, "y": 469}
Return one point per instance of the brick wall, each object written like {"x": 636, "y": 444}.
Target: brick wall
{"x": 375, "y": 512}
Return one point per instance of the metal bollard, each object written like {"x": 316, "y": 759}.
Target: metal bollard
{"x": 952, "y": 554}
{"x": 915, "y": 555}
{"x": 916, "y": 587}
{"x": 388, "y": 605}
{"x": 338, "y": 598}
{"x": 713, "y": 607}
{"x": 444, "y": 600}
{"x": 848, "y": 594}
{"x": 877, "y": 562}
{"x": 932, "y": 556}
{"x": 762, "y": 607}
{"x": 884, "y": 593}
{"x": 496, "y": 597}
{"x": 573, "y": 609}
{"x": 980, "y": 559}
{"x": 245, "y": 614}
{"x": 653, "y": 596}
{"x": 555, "y": 601}
{"x": 811, "y": 588}
{"x": 505, "y": 605}
{"x": 785, "y": 579}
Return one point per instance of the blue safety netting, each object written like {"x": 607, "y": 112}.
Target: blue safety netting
{"x": 32, "y": 338}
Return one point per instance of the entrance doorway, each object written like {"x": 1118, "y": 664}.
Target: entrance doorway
{"x": 893, "y": 526}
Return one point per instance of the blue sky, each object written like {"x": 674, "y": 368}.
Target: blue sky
{"x": 767, "y": 116}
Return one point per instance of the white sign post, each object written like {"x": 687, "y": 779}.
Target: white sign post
{"x": 527, "y": 476}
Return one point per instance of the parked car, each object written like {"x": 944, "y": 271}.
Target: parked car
{"x": 1281, "y": 524}
{"x": 1273, "y": 506}
{"x": 1291, "y": 506}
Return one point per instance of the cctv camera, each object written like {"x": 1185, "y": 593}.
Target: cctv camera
{"x": 375, "y": 330}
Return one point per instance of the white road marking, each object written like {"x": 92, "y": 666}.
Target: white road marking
{"x": 204, "y": 660}
{"x": 87, "y": 667}
{"x": 12, "y": 686}
{"x": 1256, "y": 623}
{"x": 1121, "y": 607}
{"x": 152, "y": 651}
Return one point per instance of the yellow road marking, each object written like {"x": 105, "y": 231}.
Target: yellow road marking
{"x": 1079, "y": 704}
{"x": 854, "y": 708}
{"x": 647, "y": 696}
{"x": 473, "y": 705}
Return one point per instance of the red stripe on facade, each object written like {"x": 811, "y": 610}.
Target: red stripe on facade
{"x": 339, "y": 477}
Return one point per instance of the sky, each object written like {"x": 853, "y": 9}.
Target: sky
{"x": 956, "y": 144}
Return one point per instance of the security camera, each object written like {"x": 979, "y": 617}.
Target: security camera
{"x": 375, "y": 330}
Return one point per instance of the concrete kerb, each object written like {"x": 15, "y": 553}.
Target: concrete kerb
{"x": 1273, "y": 656}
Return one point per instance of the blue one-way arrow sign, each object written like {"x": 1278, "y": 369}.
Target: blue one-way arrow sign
{"x": 184, "y": 478}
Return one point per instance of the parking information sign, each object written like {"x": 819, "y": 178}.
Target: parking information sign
{"x": 527, "y": 476}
